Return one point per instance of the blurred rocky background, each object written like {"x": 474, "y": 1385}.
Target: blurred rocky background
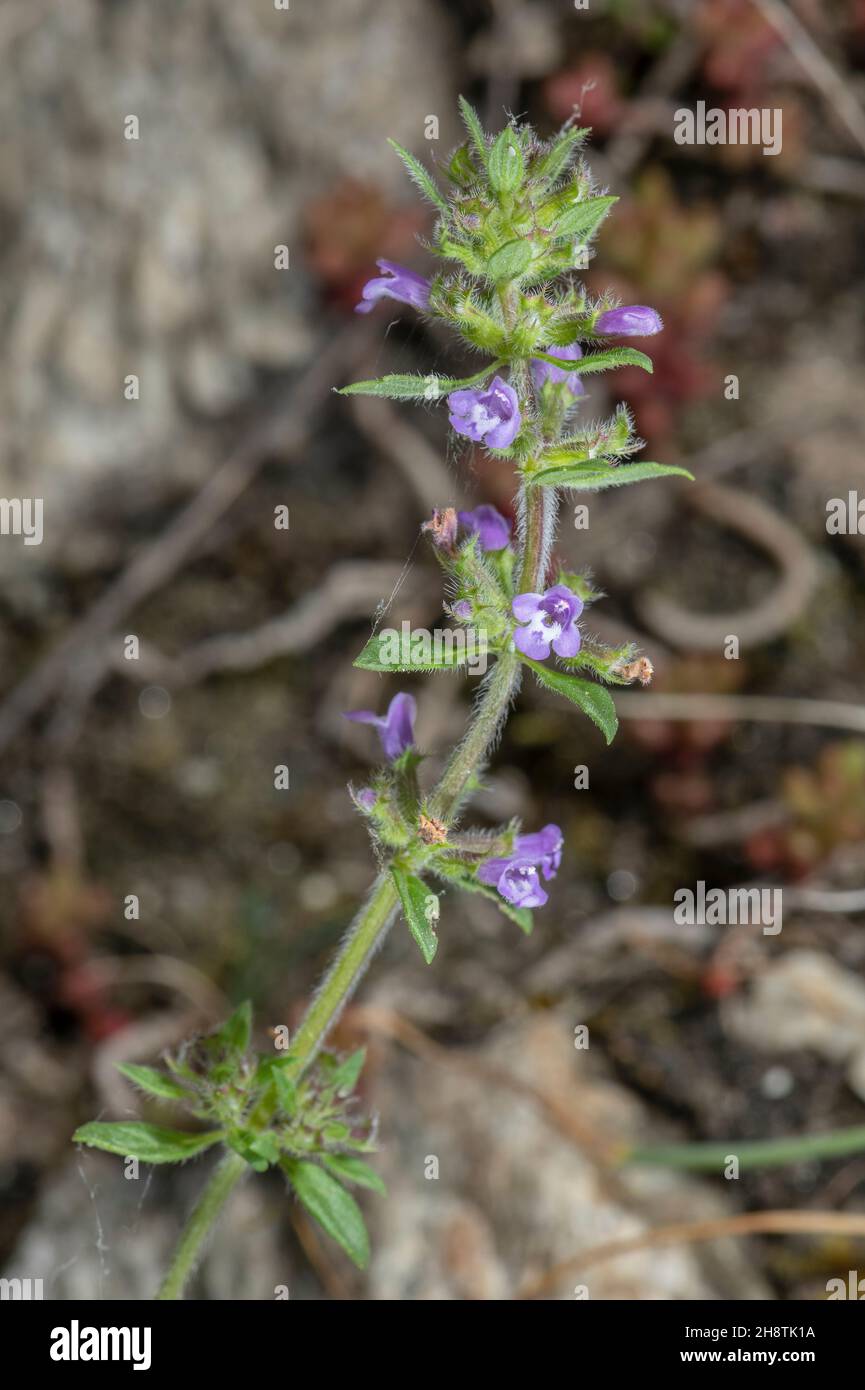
{"x": 154, "y": 157}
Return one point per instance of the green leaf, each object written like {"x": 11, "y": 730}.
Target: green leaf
{"x": 592, "y": 699}
{"x": 347, "y": 1074}
{"x": 156, "y": 1083}
{"x": 331, "y": 1206}
{"x": 508, "y": 262}
{"x": 390, "y": 650}
{"x": 286, "y": 1091}
{"x": 600, "y": 361}
{"x": 411, "y": 387}
{"x": 594, "y": 476}
{"x": 420, "y": 176}
{"x": 583, "y": 219}
{"x": 234, "y": 1033}
{"x": 354, "y": 1170}
{"x": 414, "y": 896}
{"x": 461, "y": 169}
{"x": 260, "y": 1148}
{"x": 506, "y": 165}
{"x": 150, "y": 1143}
{"x": 556, "y": 159}
{"x": 473, "y": 125}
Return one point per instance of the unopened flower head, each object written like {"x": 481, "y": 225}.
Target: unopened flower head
{"x": 550, "y": 621}
{"x": 396, "y": 728}
{"x": 398, "y": 283}
{"x": 632, "y": 320}
{"x": 491, "y": 528}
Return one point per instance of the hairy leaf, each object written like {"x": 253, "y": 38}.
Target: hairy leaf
{"x": 592, "y": 699}
{"x": 149, "y": 1143}
{"x": 331, "y": 1206}
{"x": 600, "y": 361}
{"x": 421, "y": 177}
{"x": 354, "y": 1170}
{"x": 416, "y": 899}
{"x": 387, "y": 651}
{"x": 475, "y": 129}
{"x": 508, "y": 262}
{"x": 594, "y": 476}
{"x": 583, "y": 219}
{"x": 506, "y": 166}
{"x": 411, "y": 387}
{"x": 156, "y": 1083}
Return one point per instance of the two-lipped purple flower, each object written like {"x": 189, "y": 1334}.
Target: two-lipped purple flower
{"x": 517, "y": 876}
{"x": 488, "y": 415}
{"x": 549, "y": 621}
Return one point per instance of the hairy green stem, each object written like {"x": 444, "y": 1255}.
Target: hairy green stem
{"x": 469, "y": 756}
{"x": 225, "y": 1178}
{"x": 365, "y": 933}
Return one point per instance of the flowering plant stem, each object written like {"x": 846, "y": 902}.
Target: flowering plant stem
{"x": 365, "y": 933}
{"x": 518, "y": 218}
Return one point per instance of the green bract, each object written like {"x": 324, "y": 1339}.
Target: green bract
{"x": 265, "y": 1112}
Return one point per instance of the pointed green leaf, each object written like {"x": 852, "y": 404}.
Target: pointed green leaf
{"x": 260, "y": 1148}
{"x": 592, "y": 699}
{"x": 420, "y": 176}
{"x": 410, "y": 387}
{"x": 594, "y": 475}
{"x": 235, "y": 1032}
{"x": 508, "y": 262}
{"x": 557, "y": 157}
{"x": 149, "y": 1143}
{"x": 156, "y": 1083}
{"x": 445, "y": 650}
{"x": 582, "y": 219}
{"x": 331, "y": 1206}
{"x": 354, "y": 1170}
{"x": 475, "y": 129}
{"x": 417, "y": 901}
{"x": 600, "y": 361}
{"x": 286, "y": 1091}
{"x": 506, "y": 165}
{"x": 347, "y": 1074}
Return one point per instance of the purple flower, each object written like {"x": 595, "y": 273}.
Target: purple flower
{"x": 492, "y": 415}
{"x": 544, "y": 848}
{"x": 631, "y": 321}
{"x": 396, "y": 728}
{"x": 516, "y": 877}
{"x": 551, "y": 621}
{"x": 365, "y": 798}
{"x": 545, "y": 371}
{"x": 489, "y": 525}
{"x": 397, "y": 283}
